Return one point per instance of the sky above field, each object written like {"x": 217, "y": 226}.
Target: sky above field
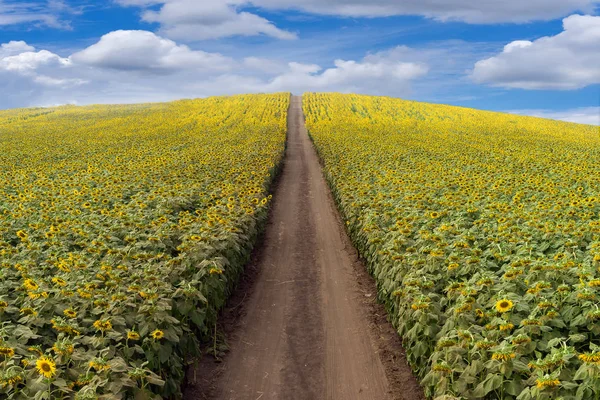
{"x": 533, "y": 57}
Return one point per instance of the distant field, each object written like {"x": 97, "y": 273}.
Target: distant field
{"x": 122, "y": 229}
{"x": 483, "y": 233}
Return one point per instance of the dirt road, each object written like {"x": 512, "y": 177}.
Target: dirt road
{"x": 307, "y": 331}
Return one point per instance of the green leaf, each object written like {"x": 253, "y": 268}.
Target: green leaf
{"x": 578, "y": 337}
{"x": 582, "y": 373}
{"x": 155, "y": 380}
{"x": 513, "y": 387}
{"x": 492, "y": 382}
{"x": 525, "y": 394}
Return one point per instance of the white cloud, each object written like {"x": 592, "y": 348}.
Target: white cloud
{"x": 145, "y": 51}
{"x": 198, "y": 20}
{"x": 477, "y": 12}
{"x": 379, "y": 73}
{"x": 569, "y": 60}
{"x": 122, "y": 67}
{"x": 37, "y": 13}
{"x": 348, "y": 75}
{"x": 29, "y": 61}
{"x": 193, "y": 20}
{"x": 21, "y": 59}
{"x": 65, "y": 82}
{"x": 14, "y": 47}
{"x": 583, "y": 115}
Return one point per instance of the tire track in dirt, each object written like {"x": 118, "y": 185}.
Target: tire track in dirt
{"x": 308, "y": 329}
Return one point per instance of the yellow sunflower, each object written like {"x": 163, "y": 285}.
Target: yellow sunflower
{"x": 133, "y": 335}
{"x": 7, "y": 352}
{"x": 46, "y": 367}
{"x": 103, "y": 325}
{"x": 158, "y": 334}
{"x": 504, "y": 305}
{"x": 30, "y": 284}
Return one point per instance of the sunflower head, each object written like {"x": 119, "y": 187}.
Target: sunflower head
{"x": 504, "y": 305}
{"x": 7, "y": 352}
{"x": 157, "y": 334}
{"x": 70, "y": 313}
{"x": 133, "y": 335}
{"x": 30, "y": 284}
{"x": 103, "y": 325}
{"x": 46, "y": 367}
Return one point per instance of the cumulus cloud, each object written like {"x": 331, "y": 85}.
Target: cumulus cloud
{"x": 366, "y": 76}
{"x": 14, "y": 47}
{"x": 582, "y": 115}
{"x": 29, "y": 61}
{"x": 199, "y": 20}
{"x": 569, "y": 60}
{"x": 21, "y": 59}
{"x": 477, "y": 12}
{"x": 145, "y": 51}
{"x": 193, "y": 20}
{"x": 123, "y": 66}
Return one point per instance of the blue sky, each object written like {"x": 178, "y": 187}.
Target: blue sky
{"x": 535, "y": 57}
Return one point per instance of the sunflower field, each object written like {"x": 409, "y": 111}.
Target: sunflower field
{"x": 482, "y": 231}
{"x": 122, "y": 232}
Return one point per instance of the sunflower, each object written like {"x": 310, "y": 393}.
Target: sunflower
{"x": 503, "y": 355}
{"x": 103, "y": 325}
{"x": 63, "y": 348}
{"x": 59, "y": 281}
{"x": 453, "y": 266}
{"x": 504, "y": 305}
{"x": 133, "y": 335}
{"x": 157, "y": 334}
{"x": 28, "y": 311}
{"x": 22, "y": 235}
{"x": 99, "y": 364}
{"x": 30, "y": 285}
{"x": 590, "y": 358}
{"x": 547, "y": 383}
{"x": 45, "y": 366}
{"x": 7, "y": 352}
{"x": 70, "y": 313}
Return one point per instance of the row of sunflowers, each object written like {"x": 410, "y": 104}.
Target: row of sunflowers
{"x": 122, "y": 232}
{"x": 482, "y": 231}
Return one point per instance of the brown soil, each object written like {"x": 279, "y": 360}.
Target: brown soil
{"x": 304, "y": 323}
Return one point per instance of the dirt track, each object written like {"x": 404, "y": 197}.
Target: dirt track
{"x": 309, "y": 327}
